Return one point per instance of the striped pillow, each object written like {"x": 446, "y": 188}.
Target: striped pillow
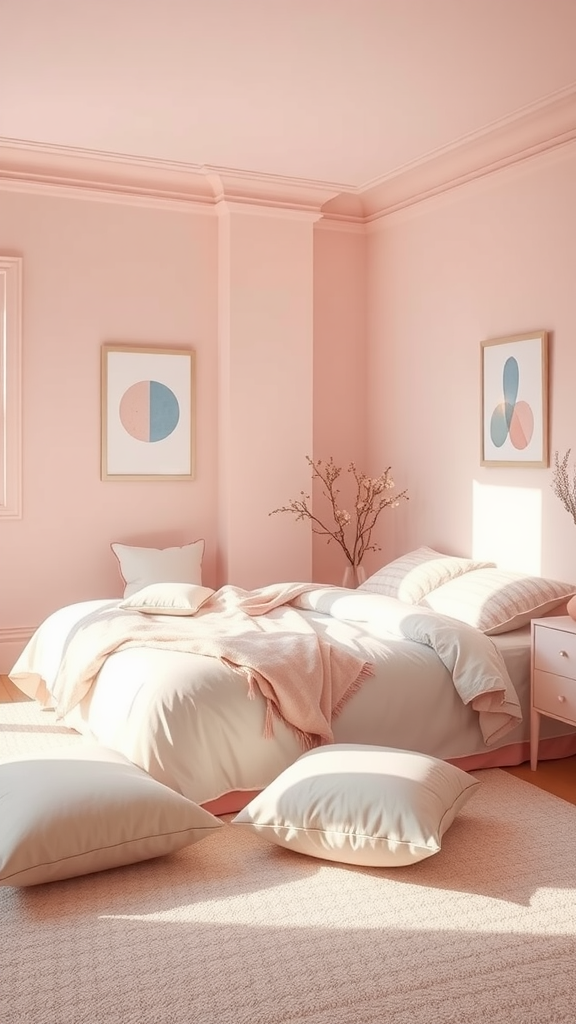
{"x": 496, "y": 601}
{"x": 412, "y": 576}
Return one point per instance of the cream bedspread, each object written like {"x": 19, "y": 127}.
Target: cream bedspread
{"x": 437, "y": 686}
{"x": 475, "y": 664}
{"x": 304, "y": 679}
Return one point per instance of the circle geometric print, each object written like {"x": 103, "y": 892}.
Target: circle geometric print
{"x": 149, "y": 411}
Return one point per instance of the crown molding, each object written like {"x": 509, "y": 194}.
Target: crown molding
{"x": 113, "y": 177}
{"x": 225, "y": 207}
{"x": 60, "y": 168}
{"x": 540, "y": 128}
{"x": 101, "y": 194}
{"x": 351, "y": 224}
{"x": 241, "y": 187}
{"x": 27, "y": 166}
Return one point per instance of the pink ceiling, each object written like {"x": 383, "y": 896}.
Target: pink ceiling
{"x": 332, "y": 91}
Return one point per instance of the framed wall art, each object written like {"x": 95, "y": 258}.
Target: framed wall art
{"x": 514, "y": 375}
{"x": 148, "y": 413}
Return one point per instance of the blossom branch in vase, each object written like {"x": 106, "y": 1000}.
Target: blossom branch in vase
{"x": 563, "y": 486}
{"x": 351, "y": 530}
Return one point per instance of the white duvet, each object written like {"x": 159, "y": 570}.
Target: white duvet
{"x": 437, "y": 686}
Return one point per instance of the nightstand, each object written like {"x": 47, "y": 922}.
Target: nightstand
{"x": 553, "y": 675}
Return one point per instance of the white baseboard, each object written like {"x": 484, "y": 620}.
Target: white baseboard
{"x": 13, "y": 640}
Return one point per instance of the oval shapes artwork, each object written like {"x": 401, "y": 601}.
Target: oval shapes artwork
{"x": 515, "y": 400}
{"x": 511, "y": 418}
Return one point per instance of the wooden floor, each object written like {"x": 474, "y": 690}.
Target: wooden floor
{"x": 558, "y": 777}
{"x": 9, "y": 692}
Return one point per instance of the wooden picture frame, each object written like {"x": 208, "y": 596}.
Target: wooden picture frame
{"x": 514, "y": 400}
{"x": 148, "y": 413}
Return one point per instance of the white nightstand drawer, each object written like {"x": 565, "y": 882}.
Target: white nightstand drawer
{"x": 555, "y": 651}
{"x": 554, "y": 695}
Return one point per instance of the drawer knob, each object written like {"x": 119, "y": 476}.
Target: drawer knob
{"x": 563, "y": 654}
{"x": 561, "y": 698}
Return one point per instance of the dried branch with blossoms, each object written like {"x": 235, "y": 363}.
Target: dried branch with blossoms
{"x": 352, "y": 531}
{"x": 563, "y": 485}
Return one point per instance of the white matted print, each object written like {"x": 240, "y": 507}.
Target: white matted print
{"x": 514, "y": 427}
{"x": 147, "y": 413}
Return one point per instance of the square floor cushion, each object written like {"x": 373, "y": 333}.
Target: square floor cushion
{"x": 360, "y": 804}
{"x": 75, "y": 812}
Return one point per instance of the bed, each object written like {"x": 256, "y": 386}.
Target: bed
{"x": 217, "y": 702}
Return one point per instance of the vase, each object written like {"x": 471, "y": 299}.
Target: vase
{"x": 354, "y": 575}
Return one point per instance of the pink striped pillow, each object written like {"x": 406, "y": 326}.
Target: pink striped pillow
{"x": 497, "y": 601}
{"x": 412, "y": 576}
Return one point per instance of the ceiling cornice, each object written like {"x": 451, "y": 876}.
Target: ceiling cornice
{"x": 537, "y": 129}
{"x": 27, "y": 166}
{"x": 57, "y": 167}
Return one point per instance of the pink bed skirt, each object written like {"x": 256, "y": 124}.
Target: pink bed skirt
{"x": 504, "y": 757}
{"x": 549, "y": 749}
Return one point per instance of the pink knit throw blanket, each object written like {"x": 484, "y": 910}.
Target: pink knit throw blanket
{"x": 304, "y": 679}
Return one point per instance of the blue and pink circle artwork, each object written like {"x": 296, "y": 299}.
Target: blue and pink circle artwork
{"x": 149, "y": 411}
{"x": 511, "y": 418}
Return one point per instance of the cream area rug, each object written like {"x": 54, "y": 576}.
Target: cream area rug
{"x": 235, "y": 931}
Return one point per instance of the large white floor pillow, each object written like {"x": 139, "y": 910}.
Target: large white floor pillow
{"x": 361, "y": 804}
{"x": 72, "y": 813}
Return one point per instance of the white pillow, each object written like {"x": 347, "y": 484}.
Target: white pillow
{"x": 361, "y": 804}
{"x": 141, "y": 566}
{"x": 497, "y": 601}
{"x": 168, "y": 599}
{"x": 66, "y": 814}
{"x": 412, "y": 576}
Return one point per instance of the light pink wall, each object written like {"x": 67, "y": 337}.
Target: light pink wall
{"x": 96, "y": 272}
{"x": 493, "y": 258}
{"x": 248, "y": 291}
{"x": 339, "y": 371}
{"x": 265, "y": 397}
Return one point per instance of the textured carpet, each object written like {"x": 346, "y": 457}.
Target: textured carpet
{"x": 234, "y": 931}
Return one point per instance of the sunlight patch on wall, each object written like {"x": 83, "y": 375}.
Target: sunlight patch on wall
{"x": 507, "y": 526}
